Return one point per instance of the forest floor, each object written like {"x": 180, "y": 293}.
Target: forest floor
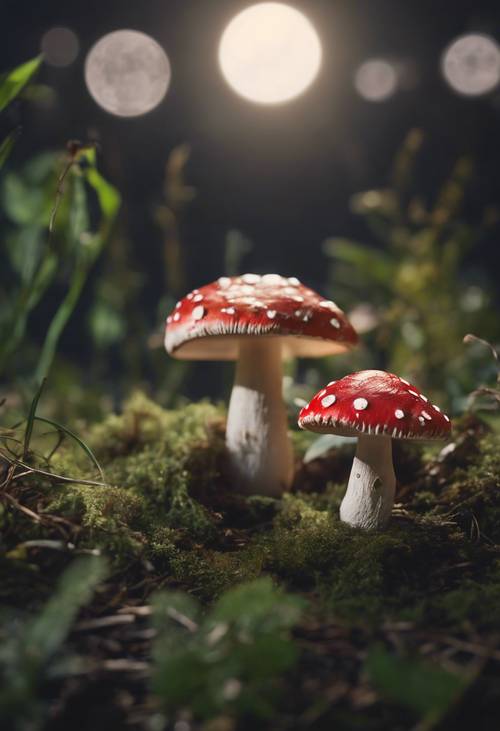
{"x": 160, "y": 599}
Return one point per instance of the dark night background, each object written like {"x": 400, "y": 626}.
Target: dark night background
{"x": 283, "y": 176}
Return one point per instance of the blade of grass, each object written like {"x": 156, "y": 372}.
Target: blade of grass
{"x": 76, "y": 438}
{"x": 8, "y": 144}
{"x": 31, "y": 419}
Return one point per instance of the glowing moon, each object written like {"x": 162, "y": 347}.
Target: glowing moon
{"x": 127, "y": 73}
{"x": 471, "y": 64}
{"x": 270, "y": 53}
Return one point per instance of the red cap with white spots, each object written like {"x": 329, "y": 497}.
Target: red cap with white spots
{"x": 208, "y": 323}
{"x": 377, "y": 403}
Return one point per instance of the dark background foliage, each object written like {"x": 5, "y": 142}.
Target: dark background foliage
{"x": 282, "y": 176}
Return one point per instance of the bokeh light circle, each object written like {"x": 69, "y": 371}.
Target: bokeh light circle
{"x": 471, "y": 64}
{"x": 127, "y": 73}
{"x": 59, "y": 46}
{"x": 376, "y": 80}
{"x": 270, "y": 53}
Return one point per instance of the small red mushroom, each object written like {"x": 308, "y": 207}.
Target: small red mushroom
{"x": 376, "y": 407}
{"x": 257, "y": 321}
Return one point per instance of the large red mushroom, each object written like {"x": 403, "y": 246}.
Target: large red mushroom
{"x": 376, "y": 407}
{"x": 257, "y": 321}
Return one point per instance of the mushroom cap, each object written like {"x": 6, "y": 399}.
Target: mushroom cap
{"x": 376, "y": 403}
{"x": 209, "y": 322}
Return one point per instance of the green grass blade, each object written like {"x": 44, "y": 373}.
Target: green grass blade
{"x": 77, "y": 439}
{"x": 13, "y": 82}
{"x": 7, "y": 145}
{"x": 31, "y": 420}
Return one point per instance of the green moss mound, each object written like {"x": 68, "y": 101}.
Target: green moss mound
{"x": 168, "y": 517}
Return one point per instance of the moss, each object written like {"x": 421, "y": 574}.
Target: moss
{"x": 169, "y": 503}
{"x": 363, "y": 575}
{"x": 108, "y": 516}
{"x": 208, "y": 573}
{"x": 472, "y": 493}
{"x": 153, "y": 460}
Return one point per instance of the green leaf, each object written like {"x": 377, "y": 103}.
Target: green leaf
{"x": 425, "y": 688}
{"x": 7, "y": 145}
{"x": 108, "y": 196}
{"x": 12, "y": 83}
{"x": 375, "y": 265}
{"x": 323, "y": 444}
{"x": 258, "y": 606}
{"x": 47, "y": 632}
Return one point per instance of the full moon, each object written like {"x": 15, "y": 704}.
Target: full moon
{"x": 270, "y": 53}
{"x": 471, "y": 64}
{"x": 127, "y": 73}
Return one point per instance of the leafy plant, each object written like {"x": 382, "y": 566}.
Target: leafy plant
{"x": 11, "y": 85}
{"x": 420, "y": 686}
{"x": 31, "y": 647}
{"x": 61, "y": 213}
{"x": 229, "y": 660}
{"x": 408, "y": 292}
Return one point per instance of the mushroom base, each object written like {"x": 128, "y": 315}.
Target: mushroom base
{"x": 370, "y": 492}
{"x": 260, "y": 453}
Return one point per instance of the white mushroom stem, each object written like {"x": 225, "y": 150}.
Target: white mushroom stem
{"x": 257, "y": 439}
{"x": 372, "y": 484}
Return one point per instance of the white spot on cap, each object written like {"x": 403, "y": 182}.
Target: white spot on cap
{"x": 421, "y": 420}
{"x": 177, "y": 317}
{"x": 198, "y": 298}
{"x": 178, "y": 305}
{"x": 230, "y": 310}
{"x": 360, "y": 404}
{"x": 446, "y": 417}
{"x": 399, "y": 414}
{"x": 198, "y": 312}
{"x": 328, "y": 305}
{"x": 436, "y": 408}
{"x": 271, "y": 314}
{"x": 413, "y": 393}
{"x": 247, "y": 289}
{"x": 297, "y": 298}
{"x": 332, "y": 382}
{"x": 322, "y": 393}
{"x": 251, "y": 278}
{"x": 328, "y": 400}
{"x": 403, "y": 381}
{"x": 272, "y": 279}
{"x": 298, "y": 313}
{"x": 424, "y": 398}
{"x": 224, "y": 282}
{"x": 426, "y": 416}
{"x": 293, "y": 281}
{"x": 259, "y": 305}
{"x": 169, "y": 320}
{"x": 335, "y": 323}
{"x": 190, "y": 296}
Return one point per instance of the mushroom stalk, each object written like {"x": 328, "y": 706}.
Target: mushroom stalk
{"x": 372, "y": 484}
{"x": 257, "y": 439}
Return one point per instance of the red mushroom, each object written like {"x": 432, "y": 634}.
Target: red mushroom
{"x": 376, "y": 407}
{"x": 257, "y": 321}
